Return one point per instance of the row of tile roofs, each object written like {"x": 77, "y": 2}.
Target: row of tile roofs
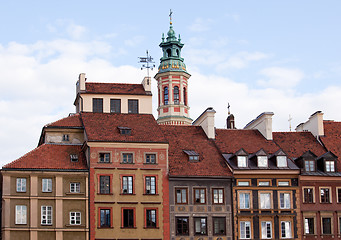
{"x": 115, "y": 88}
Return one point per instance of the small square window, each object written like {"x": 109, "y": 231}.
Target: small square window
{"x": 46, "y": 185}
{"x": 74, "y": 157}
{"x": 127, "y": 158}
{"x": 262, "y": 161}
{"x": 125, "y": 130}
{"x": 75, "y": 218}
{"x": 75, "y": 187}
{"x": 193, "y": 156}
{"x": 150, "y": 158}
{"x": 241, "y": 161}
{"x": 104, "y": 157}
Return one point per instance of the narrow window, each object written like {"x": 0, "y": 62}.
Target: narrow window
{"x": 286, "y": 229}
{"x": 325, "y": 195}
{"x": 133, "y": 106}
{"x": 241, "y": 161}
{"x": 127, "y": 185}
{"x": 200, "y": 226}
{"x": 330, "y": 167}
{"x": 104, "y": 184}
{"x": 169, "y": 52}
{"x": 165, "y": 96}
{"x": 218, "y": 196}
{"x": 181, "y": 195}
{"x": 75, "y": 187}
{"x": 326, "y": 225}
{"x": 150, "y": 185}
{"x": 245, "y": 230}
{"x": 199, "y": 196}
{"x": 47, "y": 185}
{"x": 21, "y": 184}
{"x": 128, "y": 218}
{"x": 105, "y": 218}
{"x": 127, "y": 158}
{"x": 97, "y": 105}
{"x": 182, "y": 225}
{"x": 284, "y": 199}
{"x": 338, "y": 195}
{"x": 46, "y": 215}
{"x": 265, "y": 200}
{"x": 150, "y": 158}
{"x": 75, "y": 218}
{"x": 151, "y": 218}
{"x": 219, "y": 224}
{"x": 185, "y": 97}
{"x": 20, "y": 214}
{"x": 115, "y": 105}
{"x": 104, "y": 157}
{"x": 176, "y": 95}
{"x": 244, "y": 200}
{"x": 266, "y": 230}
{"x": 308, "y": 195}
{"x": 309, "y": 225}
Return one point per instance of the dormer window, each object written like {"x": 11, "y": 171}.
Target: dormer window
{"x": 330, "y": 166}
{"x": 241, "y": 161}
{"x": 262, "y": 161}
{"x": 282, "y": 161}
{"x": 309, "y": 165}
{"x": 125, "y": 130}
{"x": 193, "y": 156}
{"x": 74, "y": 157}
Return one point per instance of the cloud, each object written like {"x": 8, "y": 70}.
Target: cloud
{"x": 133, "y": 42}
{"x": 279, "y": 77}
{"x": 241, "y": 60}
{"x": 200, "y": 25}
{"x": 67, "y": 28}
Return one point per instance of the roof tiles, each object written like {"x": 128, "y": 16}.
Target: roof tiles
{"x": 70, "y": 121}
{"x": 115, "y": 88}
{"x": 332, "y": 139}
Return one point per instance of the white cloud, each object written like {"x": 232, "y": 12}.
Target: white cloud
{"x": 65, "y": 27}
{"x": 241, "y": 60}
{"x": 134, "y": 41}
{"x": 280, "y": 77}
{"x": 200, "y": 25}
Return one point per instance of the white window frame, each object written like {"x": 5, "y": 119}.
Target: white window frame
{"x": 20, "y": 214}
{"x": 286, "y": 203}
{"x": 306, "y": 226}
{"x": 75, "y": 187}
{"x": 282, "y": 161}
{"x": 21, "y": 184}
{"x": 75, "y": 218}
{"x": 260, "y": 159}
{"x": 150, "y": 186}
{"x": 264, "y": 229}
{"x": 287, "y": 229}
{"x": 46, "y": 215}
{"x": 330, "y": 166}
{"x": 263, "y": 203}
{"x": 46, "y": 185}
{"x": 244, "y": 200}
{"x": 244, "y": 227}
{"x": 242, "y": 161}
{"x": 243, "y": 183}
{"x": 127, "y": 184}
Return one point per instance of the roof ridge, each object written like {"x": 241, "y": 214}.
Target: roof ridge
{"x": 70, "y": 116}
{"x": 113, "y": 83}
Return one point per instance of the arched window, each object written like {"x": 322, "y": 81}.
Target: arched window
{"x": 169, "y": 52}
{"x": 165, "y": 96}
{"x": 185, "y": 99}
{"x": 176, "y": 95}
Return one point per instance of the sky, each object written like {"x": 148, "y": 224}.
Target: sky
{"x": 258, "y": 56}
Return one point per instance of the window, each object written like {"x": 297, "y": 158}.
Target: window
{"x": 65, "y": 137}
{"x": 181, "y": 195}
{"x": 127, "y": 158}
{"x": 264, "y": 200}
{"x": 47, "y": 185}
{"x": 20, "y": 214}
{"x": 46, "y": 215}
{"x": 199, "y": 196}
{"x": 104, "y": 157}
{"x": 151, "y": 158}
{"x": 97, "y": 105}
{"x": 128, "y": 218}
{"x": 309, "y": 226}
{"x": 282, "y": 161}
{"x": 283, "y": 183}
{"x": 326, "y": 225}
{"x": 338, "y": 194}
{"x": 218, "y": 196}
{"x": 75, "y": 218}
{"x": 285, "y": 229}
{"x": 200, "y": 226}
{"x": 74, "y": 157}
{"x": 151, "y": 218}
{"x": 264, "y": 183}
{"x": 339, "y": 224}
{"x": 266, "y": 229}
{"x": 115, "y": 105}
{"x": 104, "y": 184}
{"x": 21, "y": 184}
{"x": 185, "y": 97}
{"x": 105, "y": 218}
{"x": 165, "y": 96}
{"x": 75, "y": 187}
{"x": 325, "y": 195}
{"x": 308, "y": 195}
{"x": 124, "y": 130}
{"x": 262, "y": 161}
{"x": 309, "y": 165}
{"x": 241, "y": 161}
{"x": 127, "y": 185}
{"x": 244, "y": 200}
{"x": 193, "y": 156}
{"x": 133, "y": 106}
{"x": 150, "y": 185}
{"x": 176, "y": 95}
{"x": 330, "y": 167}
{"x": 245, "y": 229}
{"x": 219, "y": 224}
{"x": 284, "y": 200}
{"x": 182, "y": 225}
{"x": 243, "y": 183}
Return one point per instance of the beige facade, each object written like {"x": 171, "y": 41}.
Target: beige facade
{"x": 33, "y": 213}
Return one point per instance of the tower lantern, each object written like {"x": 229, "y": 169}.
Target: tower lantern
{"x": 172, "y": 79}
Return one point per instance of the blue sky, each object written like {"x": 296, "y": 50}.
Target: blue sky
{"x": 279, "y": 56}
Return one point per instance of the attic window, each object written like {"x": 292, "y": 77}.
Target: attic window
{"x": 193, "y": 156}
{"x": 74, "y": 157}
{"x": 241, "y": 161}
{"x": 330, "y": 166}
{"x": 65, "y": 137}
{"x": 262, "y": 161}
{"x": 125, "y": 130}
{"x": 282, "y": 161}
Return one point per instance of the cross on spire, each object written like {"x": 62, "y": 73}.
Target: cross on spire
{"x": 228, "y": 107}
{"x": 170, "y": 16}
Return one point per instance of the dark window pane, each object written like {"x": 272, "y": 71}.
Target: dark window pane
{"x": 105, "y": 218}
{"x": 182, "y": 226}
{"x": 104, "y": 184}
{"x": 326, "y": 226}
{"x": 219, "y": 226}
{"x": 128, "y": 218}
{"x": 165, "y": 96}
{"x": 133, "y": 106}
{"x": 151, "y": 218}
{"x": 115, "y": 105}
{"x": 176, "y": 95}
{"x": 97, "y": 105}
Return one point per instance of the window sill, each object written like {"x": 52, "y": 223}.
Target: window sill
{"x": 129, "y": 194}
{"x": 200, "y": 204}
{"x": 105, "y": 227}
{"x": 74, "y": 225}
{"x": 20, "y": 192}
{"x": 128, "y": 227}
{"x": 74, "y": 193}
{"x": 105, "y": 194}
{"x": 148, "y": 194}
{"x": 46, "y": 224}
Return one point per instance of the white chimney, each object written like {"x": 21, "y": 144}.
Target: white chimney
{"x": 81, "y": 82}
{"x": 147, "y": 83}
{"x": 313, "y": 125}
{"x": 263, "y": 123}
{"x": 206, "y": 121}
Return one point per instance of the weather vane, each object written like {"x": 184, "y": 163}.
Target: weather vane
{"x": 146, "y": 61}
{"x": 170, "y": 16}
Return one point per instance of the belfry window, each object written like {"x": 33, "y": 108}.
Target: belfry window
{"x": 185, "y": 99}
{"x": 169, "y": 52}
{"x": 176, "y": 95}
{"x": 165, "y": 96}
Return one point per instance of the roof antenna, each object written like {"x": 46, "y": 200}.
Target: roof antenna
{"x": 145, "y": 63}
{"x": 289, "y": 120}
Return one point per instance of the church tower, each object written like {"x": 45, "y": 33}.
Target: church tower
{"x": 172, "y": 79}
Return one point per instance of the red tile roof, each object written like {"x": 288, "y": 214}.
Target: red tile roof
{"x": 231, "y": 140}
{"x": 103, "y": 127}
{"x": 332, "y": 139}
{"x": 193, "y": 138}
{"x": 115, "y": 88}
{"x": 51, "y": 156}
{"x": 297, "y": 143}
{"x": 70, "y": 121}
